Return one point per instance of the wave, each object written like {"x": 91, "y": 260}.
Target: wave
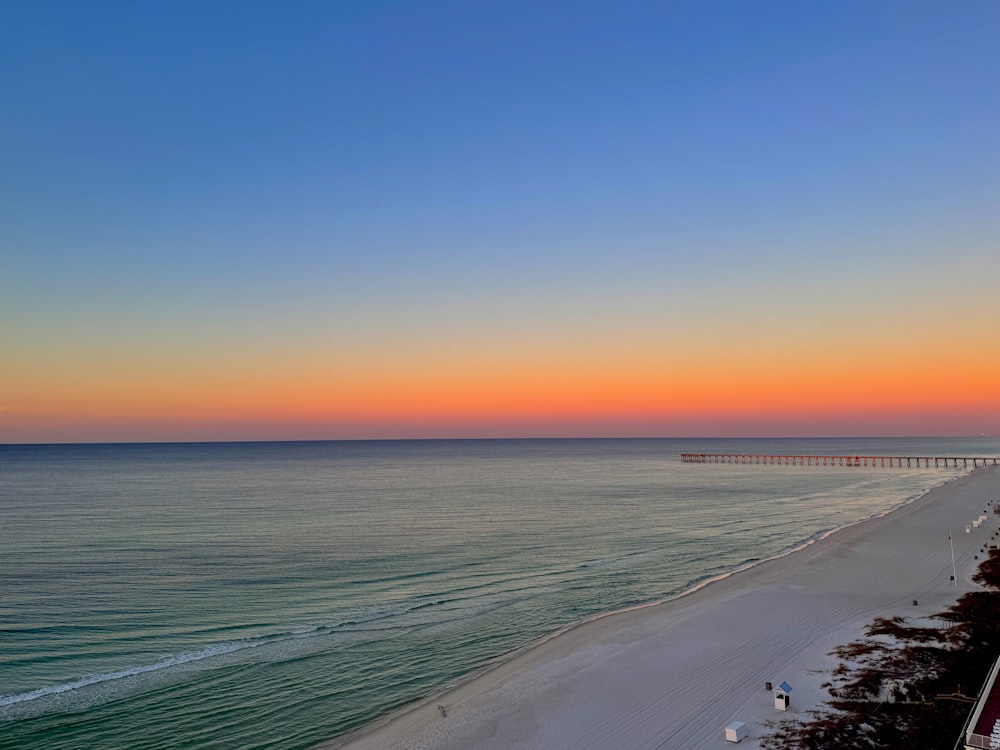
{"x": 357, "y": 625}
{"x": 167, "y": 662}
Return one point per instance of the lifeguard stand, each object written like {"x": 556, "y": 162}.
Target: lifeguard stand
{"x": 782, "y": 696}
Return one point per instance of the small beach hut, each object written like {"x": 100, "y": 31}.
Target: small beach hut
{"x": 782, "y": 696}
{"x": 736, "y": 731}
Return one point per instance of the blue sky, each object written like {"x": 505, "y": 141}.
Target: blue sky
{"x": 336, "y": 172}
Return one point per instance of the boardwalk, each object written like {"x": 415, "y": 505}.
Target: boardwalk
{"x": 814, "y": 460}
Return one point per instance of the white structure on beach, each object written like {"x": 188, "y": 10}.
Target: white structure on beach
{"x": 736, "y": 731}
{"x": 782, "y": 696}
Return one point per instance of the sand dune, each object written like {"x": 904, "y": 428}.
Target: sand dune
{"x": 675, "y": 674}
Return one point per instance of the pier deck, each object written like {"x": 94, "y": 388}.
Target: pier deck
{"x": 853, "y": 460}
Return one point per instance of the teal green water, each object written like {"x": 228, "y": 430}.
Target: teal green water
{"x": 274, "y": 595}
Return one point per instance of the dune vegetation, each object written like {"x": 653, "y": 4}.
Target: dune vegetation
{"x": 906, "y": 683}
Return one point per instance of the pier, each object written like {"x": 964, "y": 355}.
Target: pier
{"x": 818, "y": 460}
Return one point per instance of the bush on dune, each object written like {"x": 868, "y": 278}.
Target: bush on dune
{"x": 905, "y": 684}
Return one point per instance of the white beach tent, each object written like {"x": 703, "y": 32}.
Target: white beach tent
{"x": 736, "y": 731}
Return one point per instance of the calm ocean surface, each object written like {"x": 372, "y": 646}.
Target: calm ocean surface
{"x": 274, "y": 595}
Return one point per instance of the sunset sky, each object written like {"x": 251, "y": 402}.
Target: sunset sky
{"x": 247, "y": 221}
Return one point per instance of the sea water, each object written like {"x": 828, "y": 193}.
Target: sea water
{"x": 274, "y": 595}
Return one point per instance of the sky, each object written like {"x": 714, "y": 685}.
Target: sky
{"x": 360, "y": 220}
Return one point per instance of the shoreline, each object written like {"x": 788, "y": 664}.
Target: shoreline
{"x": 575, "y": 685}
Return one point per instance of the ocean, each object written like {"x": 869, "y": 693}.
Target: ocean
{"x": 275, "y": 595}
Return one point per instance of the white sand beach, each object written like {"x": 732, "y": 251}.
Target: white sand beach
{"x": 673, "y": 675}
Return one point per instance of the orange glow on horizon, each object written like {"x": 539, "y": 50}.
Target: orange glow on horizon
{"x": 738, "y": 381}
{"x": 792, "y": 393}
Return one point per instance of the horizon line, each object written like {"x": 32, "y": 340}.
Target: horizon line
{"x": 495, "y": 439}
